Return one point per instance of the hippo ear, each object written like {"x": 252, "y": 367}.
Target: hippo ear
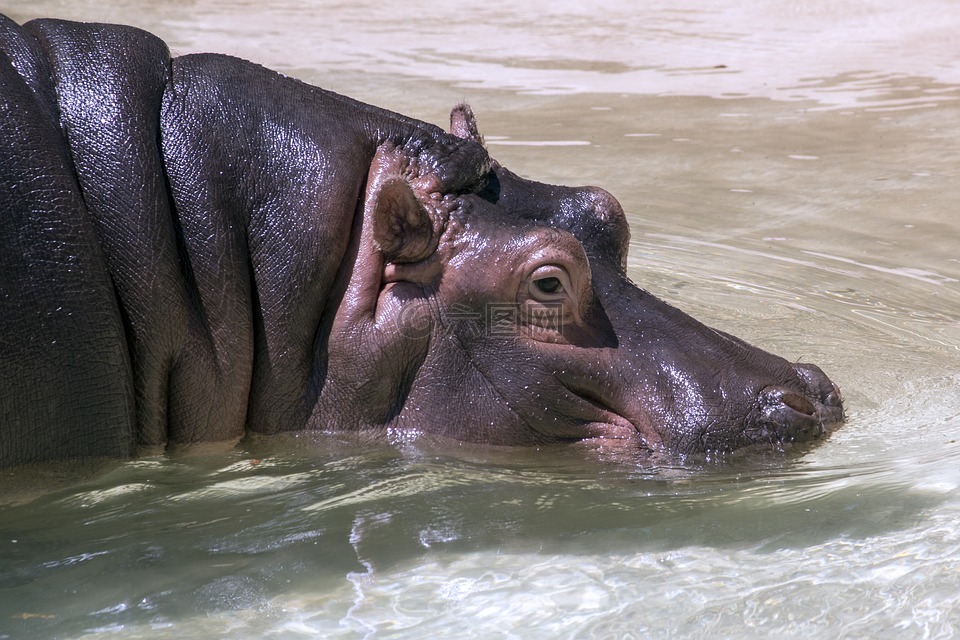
{"x": 402, "y": 229}
{"x": 463, "y": 123}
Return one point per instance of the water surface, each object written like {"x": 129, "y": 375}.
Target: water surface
{"x": 790, "y": 176}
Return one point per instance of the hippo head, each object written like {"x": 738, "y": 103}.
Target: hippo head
{"x": 502, "y": 314}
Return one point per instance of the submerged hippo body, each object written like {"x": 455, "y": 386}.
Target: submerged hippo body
{"x": 196, "y": 248}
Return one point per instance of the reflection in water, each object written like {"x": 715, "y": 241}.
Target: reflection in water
{"x": 790, "y": 173}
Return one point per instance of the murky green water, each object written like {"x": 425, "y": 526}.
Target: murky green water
{"x": 790, "y": 171}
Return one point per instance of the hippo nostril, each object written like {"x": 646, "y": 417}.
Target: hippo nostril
{"x": 820, "y": 386}
{"x": 798, "y": 403}
{"x": 787, "y": 416}
{"x": 834, "y": 399}
{"x": 778, "y": 399}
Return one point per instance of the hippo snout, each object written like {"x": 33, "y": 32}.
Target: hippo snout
{"x": 791, "y": 415}
{"x": 824, "y": 393}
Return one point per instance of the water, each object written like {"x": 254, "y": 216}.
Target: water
{"x": 790, "y": 174}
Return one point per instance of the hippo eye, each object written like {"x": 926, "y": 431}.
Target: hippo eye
{"x": 549, "y": 285}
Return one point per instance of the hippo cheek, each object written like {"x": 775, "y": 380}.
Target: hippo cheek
{"x": 580, "y": 410}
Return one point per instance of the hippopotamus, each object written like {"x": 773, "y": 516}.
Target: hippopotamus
{"x": 196, "y": 248}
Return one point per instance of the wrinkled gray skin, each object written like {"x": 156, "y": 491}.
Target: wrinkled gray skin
{"x": 198, "y": 248}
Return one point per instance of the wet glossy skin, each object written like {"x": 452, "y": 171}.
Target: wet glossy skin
{"x": 226, "y": 250}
